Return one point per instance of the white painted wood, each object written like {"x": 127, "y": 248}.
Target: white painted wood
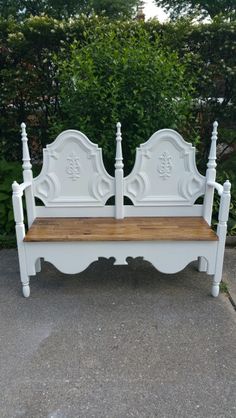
{"x": 119, "y": 175}
{"x": 221, "y": 232}
{"x": 210, "y": 177}
{"x": 202, "y": 264}
{"x": 38, "y": 265}
{"x": 27, "y": 176}
{"x": 210, "y": 182}
{"x": 73, "y": 173}
{"x": 20, "y": 234}
{"x": 25, "y": 151}
{"x": 165, "y": 172}
{"x": 163, "y": 182}
{"x": 217, "y": 186}
{"x": 129, "y": 210}
{"x": 72, "y": 212}
{"x": 166, "y": 256}
{"x": 195, "y": 210}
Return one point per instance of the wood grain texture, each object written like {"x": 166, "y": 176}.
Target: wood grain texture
{"x": 128, "y": 229}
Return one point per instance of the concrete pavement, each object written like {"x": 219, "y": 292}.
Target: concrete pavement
{"x": 116, "y": 342}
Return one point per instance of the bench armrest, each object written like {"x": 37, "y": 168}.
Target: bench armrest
{"x": 20, "y": 188}
{"x": 217, "y": 186}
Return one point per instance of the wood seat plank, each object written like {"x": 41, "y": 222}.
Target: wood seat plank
{"x": 128, "y": 229}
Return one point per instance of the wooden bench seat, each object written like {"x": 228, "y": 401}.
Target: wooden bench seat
{"x": 128, "y": 229}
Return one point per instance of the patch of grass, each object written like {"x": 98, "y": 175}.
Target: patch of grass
{"x": 224, "y": 287}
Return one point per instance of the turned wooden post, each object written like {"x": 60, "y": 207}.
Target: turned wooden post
{"x": 209, "y": 192}
{"x": 27, "y": 176}
{"x": 20, "y": 234}
{"x": 210, "y": 176}
{"x": 119, "y": 175}
{"x": 221, "y": 232}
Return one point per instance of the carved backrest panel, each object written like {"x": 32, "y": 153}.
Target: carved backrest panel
{"x": 165, "y": 172}
{"x": 73, "y": 173}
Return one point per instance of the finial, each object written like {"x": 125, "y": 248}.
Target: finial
{"x": 214, "y": 132}
{"x": 15, "y": 187}
{"x": 23, "y": 132}
{"x": 26, "y": 156}
{"x": 119, "y": 157}
{"x": 227, "y": 186}
{"x": 212, "y": 156}
{"x": 118, "y": 131}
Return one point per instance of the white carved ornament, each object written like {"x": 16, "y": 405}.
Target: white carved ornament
{"x": 165, "y": 172}
{"x": 165, "y": 165}
{"x": 73, "y": 167}
{"x": 73, "y": 173}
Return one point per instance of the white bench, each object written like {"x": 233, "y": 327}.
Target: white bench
{"x": 163, "y": 225}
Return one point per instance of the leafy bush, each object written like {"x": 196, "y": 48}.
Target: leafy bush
{"x": 9, "y": 171}
{"x": 132, "y": 80}
{"x": 30, "y": 89}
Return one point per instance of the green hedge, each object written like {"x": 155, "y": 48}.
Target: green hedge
{"x": 140, "y": 83}
{"x": 30, "y": 89}
{"x": 9, "y": 171}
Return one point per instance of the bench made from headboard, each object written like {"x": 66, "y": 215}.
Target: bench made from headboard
{"x": 163, "y": 225}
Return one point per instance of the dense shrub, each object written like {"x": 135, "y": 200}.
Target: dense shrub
{"x": 132, "y": 80}
{"x": 8, "y": 173}
{"x": 28, "y": 76}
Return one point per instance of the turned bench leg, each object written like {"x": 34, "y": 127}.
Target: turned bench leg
{"x": 20, "y": 235}
{"x": 215, "y": 290}
{"x": 23, "y": 273}
{"x": 218, "y": 274}
{"x": 26, "y": 288}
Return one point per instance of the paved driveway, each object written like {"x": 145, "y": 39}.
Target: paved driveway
{"x": 116, "y": 342}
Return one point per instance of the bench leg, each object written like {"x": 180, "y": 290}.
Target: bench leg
{"x": 26, "y": 289}
{"x": 217, "y": 277}
{"x": 38, "y": 265}
{"x": 202, "y": 264}
{"x": 215, "y": 290}
{"x": 23, "y": 272}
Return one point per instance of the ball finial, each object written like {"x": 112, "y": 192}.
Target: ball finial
{"x": 227, "y": 186}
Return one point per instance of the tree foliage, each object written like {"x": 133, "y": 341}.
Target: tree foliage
{"x": 60, "y": 9}
{"x": 203, "y": 8}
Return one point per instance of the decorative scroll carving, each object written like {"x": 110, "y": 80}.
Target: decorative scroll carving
{"x": 188, "y": 186}
{"x": 73, "y": 167}
{"x": 165, "y": 166}
{"x": 139, "y": 185}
